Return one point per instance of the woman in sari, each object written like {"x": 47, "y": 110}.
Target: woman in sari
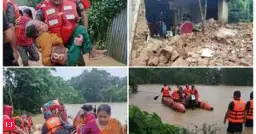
{"x": 104, "y": 124}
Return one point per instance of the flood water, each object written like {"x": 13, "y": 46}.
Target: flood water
{"x": 217, "y": 96}
{"x": 118, "y": 111}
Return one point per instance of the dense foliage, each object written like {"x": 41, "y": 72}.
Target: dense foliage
{"x": 28, "y": 89}
{"x": 241, "y": 10}
{"x": 207, "y": 76}
{"x": 141, "y": 122}
{"x": 99, "y": 85}
{"x": 100, "y": 16}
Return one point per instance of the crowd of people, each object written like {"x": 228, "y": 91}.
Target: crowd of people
{"x": 187, "y": 95}
{"x": 88, "y": 120}
{"x": 58, "y": 31}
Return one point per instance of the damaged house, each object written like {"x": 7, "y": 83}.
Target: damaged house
{"x": 175, "y": 12}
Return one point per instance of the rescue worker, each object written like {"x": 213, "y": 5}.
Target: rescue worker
{"x": 11, "y": 11}
{"x": 54, "y": 125}
{"x": 29, "y": 118}
{"x": 195, "y": 92}
{"x": 177, "y": 94}
{"x": 235, "y": 114}
{"x": 166, "y": 91}
{"x": 10, "y": 53}
{"x": 64, "y": 28}
{"x": 187, "y": 91}
{"x": 249, "y": 110}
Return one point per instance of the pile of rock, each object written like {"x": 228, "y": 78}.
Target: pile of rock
{"x": 220, "y": 45}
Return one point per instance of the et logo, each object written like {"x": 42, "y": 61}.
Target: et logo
{"x": 9, "y": 124}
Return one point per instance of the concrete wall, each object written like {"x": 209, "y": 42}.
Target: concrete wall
{"x": 223, "y": 10}
{"x": 190, "y": 7}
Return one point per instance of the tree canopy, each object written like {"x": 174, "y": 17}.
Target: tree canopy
{"x": 99, "y": 85}
{"x": 207, "y": 76}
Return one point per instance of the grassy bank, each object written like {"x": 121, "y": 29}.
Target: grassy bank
{"x": 142, "y": 122}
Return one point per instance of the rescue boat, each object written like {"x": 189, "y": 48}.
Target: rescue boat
{"x": 205, "y": 106}
{"x": 172, "y": 104}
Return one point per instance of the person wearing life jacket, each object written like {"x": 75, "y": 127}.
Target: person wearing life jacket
{"x": 21, "y": 124}
{"x": 235, "y": 114}
{"x": 10, "y": 53}
{"x": 12, "y": 11}
{"x": 249, "y": 110}
{"x": 65, "y": 25}
{"x": 187, "y": 91}
{"x": 177, "y": 94}
{"x": 54, "y": 125}
{"x": 194, "y": 92}
{"x": 31, "y": 124}
{"x": 166, "y": 91}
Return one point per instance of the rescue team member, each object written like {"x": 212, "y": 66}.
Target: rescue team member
{"x": 177, "y": 94}
{"x": 10, "y": 53}
{"x": 187, "y": 91}
{"x": 12, "y": 14}
{"x": 54, "y": 125}
{"x": 235, "y": 114}
{"x": 194, "y": 92}
{"x": 166, "y": 91}
{"x": 25, "y": 45}
{"x": 249, "y": 110}
{"x": 64, "y": 28}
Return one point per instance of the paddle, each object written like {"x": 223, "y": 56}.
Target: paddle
{"x": 155, "y": 98}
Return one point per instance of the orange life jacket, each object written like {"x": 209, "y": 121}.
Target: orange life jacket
{"x": 166, "y": 92}
{"x": 5, "y": 6}
{"x": 17, "y": 15}
{"x": 195, "y": 92}
{"x": 250, "y": 111}
{"x": 53, "y": 124}
{"x": 236, "y": 115}
{"x": 61, "y": 22}
{"x": 17, "y": 118}
{"x": 187, "y": 91}
{"x": 175, "y": 94}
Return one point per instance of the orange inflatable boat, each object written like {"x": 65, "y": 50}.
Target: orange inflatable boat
{"x": 205, "y": 106}
{"x": 172, "y": 104}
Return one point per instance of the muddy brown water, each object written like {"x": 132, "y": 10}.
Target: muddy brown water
{"x": 217, "y": 96}
{"x": 119, "y": 111}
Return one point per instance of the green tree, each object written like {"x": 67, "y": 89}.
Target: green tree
{"x": 29, "y": 88}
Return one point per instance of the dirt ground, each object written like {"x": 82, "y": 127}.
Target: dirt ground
{"x": 221, "y": 45}
{"x": 105, "y": 61}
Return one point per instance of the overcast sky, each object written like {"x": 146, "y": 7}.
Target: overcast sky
{"x": 67, "y": 73}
